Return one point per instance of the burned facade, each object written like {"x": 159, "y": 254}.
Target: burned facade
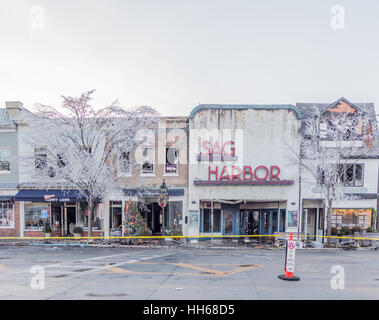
{"x": 241, "y": 180}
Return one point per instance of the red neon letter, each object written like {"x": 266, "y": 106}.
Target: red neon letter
{"x": 212, "y": 172}
{"x": 205, "y": 146}
{"x": 236, "y": 175}
{"x": 233, "y": 150}
{"x": 224, "y": 174}
{"x": 276, "y": 175}
{"x": 255, "y": 173}
{"x": 247, "y": 170}
{"x": 216, "y": 148}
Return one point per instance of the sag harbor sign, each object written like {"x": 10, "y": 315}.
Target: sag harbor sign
{"x": 236, "y": 175}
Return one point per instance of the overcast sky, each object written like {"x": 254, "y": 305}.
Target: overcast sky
{"x": 176, "y": 54}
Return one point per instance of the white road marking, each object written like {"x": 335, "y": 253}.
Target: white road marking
{"x": 68, "y": 264}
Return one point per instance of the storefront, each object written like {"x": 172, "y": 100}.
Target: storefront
{"x": 147, "y": 202}
{"x": 241, "y": 177}
{"x": 63, "y": 210}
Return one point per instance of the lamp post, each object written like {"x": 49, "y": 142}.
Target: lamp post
{"x": 162, "y": 201}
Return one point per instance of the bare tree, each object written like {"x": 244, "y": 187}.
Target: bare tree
{"x": 80, "y": 147}
{"x": 331, "y": 142}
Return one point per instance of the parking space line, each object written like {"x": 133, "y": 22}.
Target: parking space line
{"x": 206, "y": 271}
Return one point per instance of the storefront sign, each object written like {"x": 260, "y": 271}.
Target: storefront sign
{"x": 226, "y": 149}
{"x": 236, "y": 175}
{"x": 52, "y": 198}
{"x": 246, "y": 173}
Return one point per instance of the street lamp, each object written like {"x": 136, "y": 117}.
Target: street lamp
{"x": 162, "y": 201}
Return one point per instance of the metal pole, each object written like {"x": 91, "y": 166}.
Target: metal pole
{"x": 163, "y": 224}
{"x": 212, "y": 220}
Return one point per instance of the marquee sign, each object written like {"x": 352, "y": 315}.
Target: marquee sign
{"x": 236, "y": 175}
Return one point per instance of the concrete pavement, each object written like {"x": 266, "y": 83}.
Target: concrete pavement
{"x": 183, "y": 273}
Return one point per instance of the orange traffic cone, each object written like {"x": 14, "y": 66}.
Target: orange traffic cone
{"x": 289, "y": 261}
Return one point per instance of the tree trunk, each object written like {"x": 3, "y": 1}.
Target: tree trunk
{"x": 90, "y": 211}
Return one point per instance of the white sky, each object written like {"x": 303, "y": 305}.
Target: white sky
{"x": 176, "y": 54}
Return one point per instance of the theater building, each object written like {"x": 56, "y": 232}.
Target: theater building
{"x": 242, "y": 179}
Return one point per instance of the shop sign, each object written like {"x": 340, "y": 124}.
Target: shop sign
{"x": 237, "y": 175}
{"x": 226, "y": 149}
{"x": 52, "y": 198}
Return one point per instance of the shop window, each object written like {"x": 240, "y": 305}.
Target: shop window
{"x": 40, "y": 158}
{"x": 348, "y": 175}
{"x": 148, "y": 161}
{"x": 124, "y": 163}
{"x": 96, "y": 223}
{"x": 33, "y": 219}
{"x": 207, "y": 220}
{"x": 323, "y": 130}
{"x": 5, "y": 162}
{"x": 6, "y": 214}
{"x": 351, "y": 217}
{"x": 171, "y": 164}
{"x": 174, "y": 215}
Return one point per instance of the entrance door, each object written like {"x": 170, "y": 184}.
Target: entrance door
{"x": 269, "y": 221}
{"x": 311, "y": 222}
{"x": 71, "y": 218}
{"x": 249, "y": 222}
{"x": 156, "y": 218}
{"x": 228, "y": 221}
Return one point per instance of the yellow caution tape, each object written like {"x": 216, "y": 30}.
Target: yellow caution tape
{"x": 189, "y": 237}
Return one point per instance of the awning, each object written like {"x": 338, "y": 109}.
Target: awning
{"x": 151, "y": 192}
{"x": 50, "y": 195}
{"x": 6, "y": 198}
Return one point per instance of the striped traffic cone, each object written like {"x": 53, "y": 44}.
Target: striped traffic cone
{"x": 289, "y": 264}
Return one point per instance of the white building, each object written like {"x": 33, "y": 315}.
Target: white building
{"x": 241, "y": 177}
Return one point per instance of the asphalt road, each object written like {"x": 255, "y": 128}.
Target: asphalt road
{"x": 182, "y": 273}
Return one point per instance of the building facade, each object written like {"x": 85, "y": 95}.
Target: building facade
{"x": 241, "y": 180}
{"x": 229, "y": 170}
{"x": 9, "y": 210}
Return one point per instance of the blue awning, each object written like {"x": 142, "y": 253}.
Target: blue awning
{"x": 50, "y": 195}
{"x": 6, "y": 198}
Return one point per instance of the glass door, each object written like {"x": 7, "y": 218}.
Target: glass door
{"x": 269, "y": 221}
{"x": 228, "y": 221}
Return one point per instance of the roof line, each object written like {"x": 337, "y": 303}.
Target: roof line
{"x": 245, "y": 106}
{"x": 337, "y": 101}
